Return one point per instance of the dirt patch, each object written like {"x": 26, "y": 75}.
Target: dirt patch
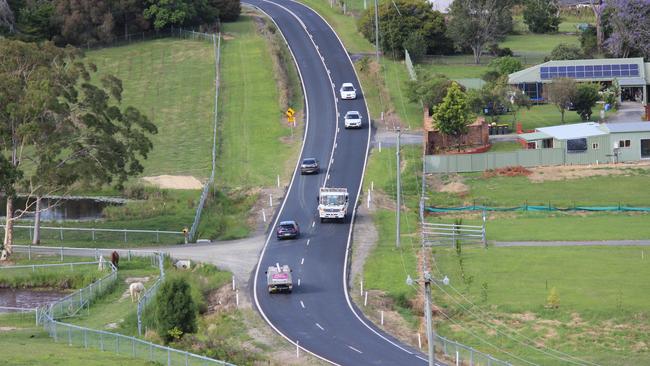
{"x": 509, "y": 171}
{"x": 174, "y": 182}
{"x": 565, "y": 172}
{"x": 227, "y": 36}
{"x": 455, "y": 187}
{"x": 7, "y": 329}
{"x": 222, "y": 299}
{"x": 525, "y": 317}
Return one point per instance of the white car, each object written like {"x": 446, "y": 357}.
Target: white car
{"x": 352, "y": 119}
{"x": 348, "y": 91}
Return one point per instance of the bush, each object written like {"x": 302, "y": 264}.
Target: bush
{"x": 565, "y": 51}
{"x": 506, "y": 65}
{"x": 175, "y": 309}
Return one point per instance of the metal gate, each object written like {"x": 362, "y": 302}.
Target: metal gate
{"x": 434, "y": 234}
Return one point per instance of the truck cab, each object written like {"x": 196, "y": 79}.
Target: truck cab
{"x": 278, "y": 279}
{"x": 332, "y": 203}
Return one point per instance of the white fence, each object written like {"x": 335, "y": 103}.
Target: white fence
{"x": 435, "y": 234}
{"x": 83, "y": 233}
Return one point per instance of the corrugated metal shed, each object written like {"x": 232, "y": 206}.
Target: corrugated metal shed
{"x": 627, "y": 127}
{"x": 533, "y": 74}
{"x": 574, "y": 131}
{"x": 534, "y": 136}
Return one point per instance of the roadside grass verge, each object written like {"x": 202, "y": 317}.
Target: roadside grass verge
{"x": 396, "y": 75}
{"x": 345, "y": 26}
{"x": 172, "y": 82}
{"x": 256, "y": 144}
{"x": 598, "y": 319}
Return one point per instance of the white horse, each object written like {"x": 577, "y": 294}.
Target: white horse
{"x": 136, "y": 289}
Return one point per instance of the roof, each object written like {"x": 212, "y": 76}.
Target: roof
{"x": 534, "y": 74}
{"x": 573, "y": 131}
{"x": 534, "y": 136}
{"x": 623, "y": 127}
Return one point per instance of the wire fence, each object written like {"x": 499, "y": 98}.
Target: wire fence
{"x": 63, "y": 233}
{"x": 216, "y": 42}
{"x": 150, "y": 293}
{"x": 69, "y": 252}
{"x": 10, "y": 312}
{"x": 409, "y": 65}
{"x": 71, "y": 305}
{"x": 464, "y": 355}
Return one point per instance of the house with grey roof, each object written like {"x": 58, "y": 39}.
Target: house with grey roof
{"x": 632, "y": 74}
{"x": 592, "y": 142}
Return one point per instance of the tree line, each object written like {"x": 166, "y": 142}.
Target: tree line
{"x": 100, "y": 22}
{"x": 476, "y": 26}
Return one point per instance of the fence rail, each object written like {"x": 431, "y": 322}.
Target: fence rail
{"x": 465, "y": 355}
{"x": 64, "y": 252}
{"x": 94, "y": 234}
{"x": 434, "y": 234}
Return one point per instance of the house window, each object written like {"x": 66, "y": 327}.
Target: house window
{"x": 595, "y": 146}
{"x": 576, "y": 145}
{"x": 624, "y": 143}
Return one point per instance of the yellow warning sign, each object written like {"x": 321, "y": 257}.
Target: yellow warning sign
{"x": 290, "y": 112}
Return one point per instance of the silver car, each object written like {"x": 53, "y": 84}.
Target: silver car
{"x": 352, "y": 119}
{"x": 348, "y": 91}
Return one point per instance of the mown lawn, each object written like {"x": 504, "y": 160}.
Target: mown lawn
{"x": 505, "y": 146}
{"x": 601, "y": 318}
{"x": 256, "y": 144}
{"x": 172, "y": 82}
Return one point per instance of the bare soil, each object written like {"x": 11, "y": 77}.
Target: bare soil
{"x": 174, "y": 182}
{"x": 563, "y": 172}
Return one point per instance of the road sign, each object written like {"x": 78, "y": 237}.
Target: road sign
{"x": 290, "y": 113}
{"x": 291, "y": 119}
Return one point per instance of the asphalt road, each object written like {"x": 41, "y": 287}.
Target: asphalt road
{"x": 319, "y": 315}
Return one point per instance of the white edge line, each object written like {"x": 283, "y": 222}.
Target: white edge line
{"x": 284, "y": 200}
{"x": 354, "y": 210}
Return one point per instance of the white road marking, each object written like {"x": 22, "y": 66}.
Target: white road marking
{"x": 313, "y": 223}
{"x": 302, "y": 304}
{"x": 299, "y": 282}
{"x": 354, "y": 349}
{"x": 308, "y": 240}
{"x": 302, "y": 261}
{"x": 321, "y": 328}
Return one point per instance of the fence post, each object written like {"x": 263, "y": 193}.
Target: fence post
{"x": 125, "y": 236}
{"x": 117, "y": 344}
{"x": 133, "y": 346}
{"x": 85, "y": 339}
{"x": 101, "y": 341}
{"x": 61, "y": 231}
{"x": 61, "y": 254}
{"x": 93, "y": 231}
{"x": 128, "y": 253}
{"x": 69, "y": 337}
{"x": 169, "y": 357}
{"x": 157, "y": 236}
{"x": 29, "y": 252}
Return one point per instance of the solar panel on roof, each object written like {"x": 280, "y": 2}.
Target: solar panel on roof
{"x": 589, "y": 71}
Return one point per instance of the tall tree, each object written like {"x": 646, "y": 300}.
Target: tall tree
{"x": 630, "y": 23}
{"x": 452, "y": 115}
{"x": 476, "y": 23}
{"x": 430, "y": 89}
{"x": 166, "y": 13}
{"x": 598, "y": 7}
{"x": 84, "y": 22}
{"x": 401, "y": 19}
{"x": 542, "y": 16}
{"x": 7, "y": 18}
{"x": 561, "y": 92}
{"x": 128, "y": 16}
{"x": 57, "y": 128}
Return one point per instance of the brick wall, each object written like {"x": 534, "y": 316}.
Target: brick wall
{"x": 436, "y": 142}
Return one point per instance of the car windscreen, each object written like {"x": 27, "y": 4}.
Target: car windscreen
{"x": 353, "y": 116}
{"x": 286, "y": 226}
{"x": 348, "y": 88}
{"x": 309, "y": 161}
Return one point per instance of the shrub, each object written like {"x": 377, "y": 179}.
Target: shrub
{"x": 175, "y": 309}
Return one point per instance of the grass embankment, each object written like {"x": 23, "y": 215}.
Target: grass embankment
{"x": 172, "y": 82}
{"x": 601, "y": 318}
{"x": 59, "y": 277}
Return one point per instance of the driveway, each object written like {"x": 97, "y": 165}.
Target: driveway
{"x": 627, "y": 112}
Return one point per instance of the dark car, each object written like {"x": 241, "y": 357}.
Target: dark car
{"x": 309, "y": 166}
{"x": 288, "y": 230}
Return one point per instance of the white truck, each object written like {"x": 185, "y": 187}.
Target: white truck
{"x": 332, "y": 203}
{"x": 278, "y": 278}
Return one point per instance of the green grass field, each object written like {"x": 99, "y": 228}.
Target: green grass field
{"x": 505, "y": 146}
{"x": 256, "y": 143}
{"x": 172, "y": 82}
{"x": 602, "y": 313}
{"x": 33, "y": 346}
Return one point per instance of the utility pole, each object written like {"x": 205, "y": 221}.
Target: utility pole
{"x": 399, "y": 188}
{"x": 377, "y": 31}
{"x": 427, "y": 311}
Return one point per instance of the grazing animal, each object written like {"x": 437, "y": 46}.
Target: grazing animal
{"x": 115, "y": 258}
{"x": 101, "y": 263}
{"x": 136, "y": 289}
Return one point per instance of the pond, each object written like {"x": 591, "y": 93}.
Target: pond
{"x": 28, "y": 298}
{"x": 59, "y": 209}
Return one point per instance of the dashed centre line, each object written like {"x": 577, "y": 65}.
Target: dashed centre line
{"x": 302, "y": 304}
{"x": 302, "y": 261}
{"x": 354, "y": 349}
{"x": 321, "y": 328}
{"x": 308, "y": 240}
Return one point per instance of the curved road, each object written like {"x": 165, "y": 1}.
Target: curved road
{"x": 318, "y": 315}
